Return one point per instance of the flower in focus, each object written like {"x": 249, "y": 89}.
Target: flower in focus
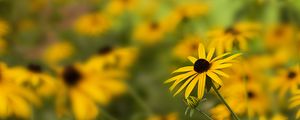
{"x": 84, "y": 88}
{"x": 149, "y": 33}
{"x": 225, "y": 39}
{"x": 287, "y": 81}
{"x": 170, "y": 116}
{"x": 15, "y": 101}
{"x": 33, "y": 76}
{"x": 4, "y": 28}
{"x": 202, "y": 66}
{"x": 91, "y": 24}
{"x": 57, "y": 52}
{"x": 187, "y": 47}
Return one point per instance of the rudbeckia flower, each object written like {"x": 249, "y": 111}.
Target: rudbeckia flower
{"x": 187, "y": 47}
{"x": 279, "y": 35}
{"x": 287, "y": 80}
{"x": 57, "y": 52}
{"x": 34, "y": 77}
{"x": 149, "y": 33}
{"x": 15, "y": 101}
{"x": 116, "y": 7}
{"x": 223, "y": 39}
{"x": 91, "y": 24}
{"x": 202, "y": 66}
{"x": 84, "y": 89}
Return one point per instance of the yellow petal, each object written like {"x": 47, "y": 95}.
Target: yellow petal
{"x": 94, "y": 92}
{"x": 4, "y": 109}
{"x": 192, "y": 59}
{"x": 210, "y": 54}
{"x": 20, "y": 107}
{"x": 201, "y": 85}
{"x": 178, "y": 81}
{"x": 219, "y": 72}
{"x": 297, "y": 97}
{"x": 190, "y": 87}
{"x": 179, "y": 77}
{"x": 215, "y": 78}
{"x": 201, "y": 51}
{"x": 185, "y": 84}
{"x": 184, "y": 69}
{"x": 294, "y": 104}
{"x": 229, "y": 58}
{"x": 220, "y": 56}
{"x": 298, "y": 114}
{"x": 217, "y": 66}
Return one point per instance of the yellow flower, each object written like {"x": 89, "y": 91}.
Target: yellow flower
{"x": 4, "y": 28}
{"x": 279, "y": 116}
{"x": 91, "y": 24}
{"x": 295, "y": 102}
{"x": 84, "y": 89}
{"x": 187, "y": 47}
{"x": 287, "y": 81}
{"x": 202, "y": 66}
{"x": 279, "y": 35}
{"x": 171, "y": 116}
{"x": 149, "y": 32}
{"x": 33, "y": 77}
{"x": 15, "y": 101}
{"x": 116, "y": 7}
{"x": 3, "y": 46}
{"x": 224, "y": 39}
{"x": 220, "y": 112}
{"x": 57, "y": 52}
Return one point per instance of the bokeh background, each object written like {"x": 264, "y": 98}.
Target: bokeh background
{"x": 108, "y": 59}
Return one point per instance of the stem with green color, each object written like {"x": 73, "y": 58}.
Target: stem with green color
{"x": 208, "y": 117}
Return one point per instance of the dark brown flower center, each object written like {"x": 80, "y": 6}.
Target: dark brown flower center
{"x": 34, "y": 68}
{"x": 292, "y": 75}
{"x": 71, "y": 75}
{"x": 105, "y": 50}
{"x": 232, "y": 31}
{"x": 250, "y": 94}
{"x": 154, "y": 25}
{"x": 201, "y": 65}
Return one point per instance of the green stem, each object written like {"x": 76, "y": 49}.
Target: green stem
{"x": 223, "y": 100}
{"x": 208, "y": 117}
{"x": 139, "y": 101}
{"x": 107, "y": 115}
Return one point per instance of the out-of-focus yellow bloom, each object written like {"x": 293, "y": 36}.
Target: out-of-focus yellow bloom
{"x": 187, "y": 47}
{"x": 57, "y": 52}
{"x": 279, "y": 35}
{"x": 286, "y": 81}
{"x": 4, "y": 28}
{"x": 224, "y": 39}
{"x": 279, "y": 116}
{"x": 116, "y": 7}
{"x": 171, "y": 116}
{"x": 33, "y": 77}
{"x": 204, "y": 65}
{"x": 184, "y": 12}
{"x": 220, "y": 112}
{"x": 15, "y": 101}
{"x": 149, "y": 33}
{"x": 295, "y": 102}
{"x": 91, "y": 24}
{"x": 83, "y": 88}
{"x": 117, "y": 58}
{"x": 3, "y": 46}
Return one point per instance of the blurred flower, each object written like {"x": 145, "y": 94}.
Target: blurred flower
{"x": 203, "y": 66}
{"x": 4, "y": 27}
{"x": 224, "y": 39}
{"x": 3, "y": 46}
{"x": 83, "y": 88}
{"x": 91, "y": 24}
{"x": 187, "y": 47}
{"x": 57, "y": 52}
{"x": 287, "y": 80}
{"x": 279, "y": 35}
{"x": 170, "y": 116}
{"x": 33, "y": 77}
{"x": 220, "y": 112}
{"x": 149, "y": 33}
{"x": 15, "y": 101}
{"x": 116, "y": 7}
